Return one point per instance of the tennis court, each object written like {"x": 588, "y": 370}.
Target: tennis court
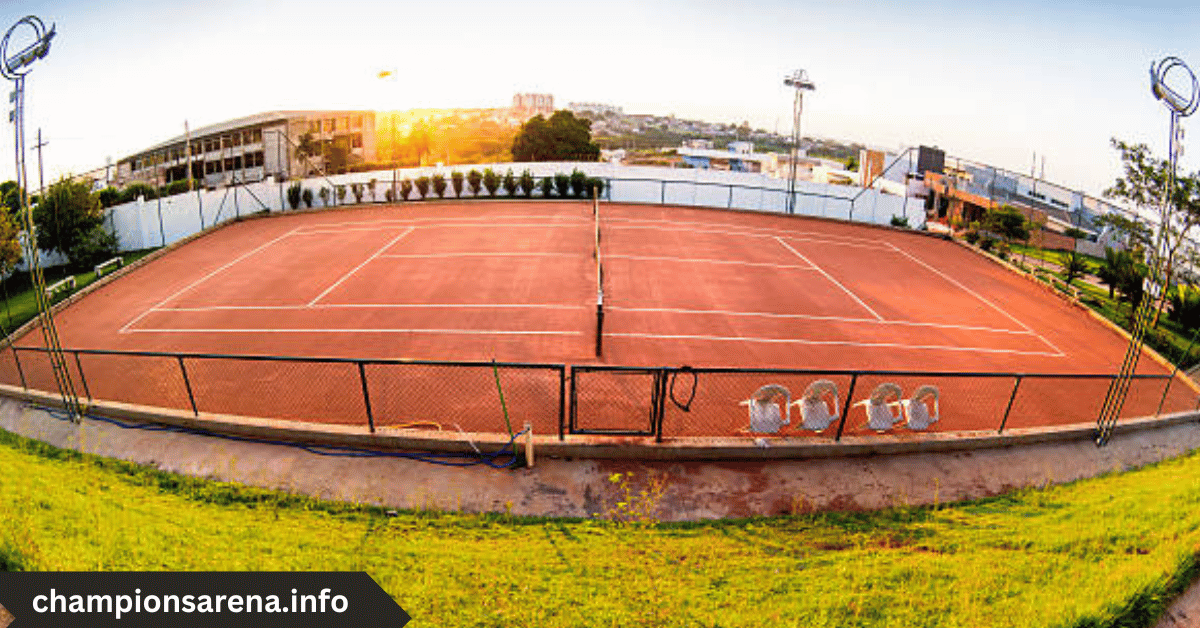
{"x": 518, "y": 282}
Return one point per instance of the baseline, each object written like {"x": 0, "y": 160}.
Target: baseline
{"x": 847, "y": 343}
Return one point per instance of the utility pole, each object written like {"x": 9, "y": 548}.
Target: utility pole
{"x": 187, "y": 148}
{"x": 41, "y": 182}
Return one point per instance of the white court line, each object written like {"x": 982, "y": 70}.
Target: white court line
{"x": 824, "y": 237}
{"x": 840, "y": 319}
{"x": 205, "y": 278}
{"x": 978, "y": 296}
{"x": 340, "y": 306}
{"x": 471, "y": 332}
{"x": 442, "y": 219}
{"x": 357, "y": 268}
{"x": 456, "y": 225}
{"x": 829, "y": 277}
{"x": 888, "y": 345}
{"x": 471, "y": 254}
{"x": 644, "y": 258}
{"x": 747, "y": 234}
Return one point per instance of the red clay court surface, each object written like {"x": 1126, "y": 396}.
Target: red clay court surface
{"x": 516, "y": 282}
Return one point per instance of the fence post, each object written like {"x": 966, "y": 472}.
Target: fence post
{"x": 1011, "y": 399}
{"x": 658, "y": 403}
{"x": 188, "y": 384}
{"x": 846, "y": 408}
{"x": 20, "y": 371}
{"x": 729, "y": 205}
{"x": 79, "y": 367}
{"x": 562, "y": 401}
{"x": 574, "y": 406}
{"x": 663, "y": 199}
{"x": 362, "y": 376}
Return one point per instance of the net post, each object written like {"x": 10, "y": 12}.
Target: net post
{"x": 599, "y": 329}
{"x": 562, "y": 401}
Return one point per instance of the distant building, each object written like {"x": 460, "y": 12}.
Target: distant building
{"x": 594, "y": 108}
{"x": 525, "y": 106}
{"x": 739, "y": 157}
{"x": 252, "y": 148}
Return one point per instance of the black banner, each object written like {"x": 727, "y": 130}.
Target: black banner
{"x": 184, "y": 600}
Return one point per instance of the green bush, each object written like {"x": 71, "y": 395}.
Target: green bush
{"x": 134, "y": 190}
{"x": 510, "y": 183}
{"x": 986, "y": 243}
{"x": 562, "y": 184}
{"x": 595, "y": 187}
{"x": 175, "y": 187}
{"x": 341, "y": 194}
{"x": 406, "y": 186}
{"x": 439, "y": 184}
{"x": 307, "y": 196}
{"x": 527, "y": 183}
{"x": 293, "y": 195}
{"x": 357, "y": 190}
{"x": 389, "y": 195}
{"x": 324, "y": 197}
{"x": 898, "y": 221}
{"x": 491, "y": 181}
{"x": 475, "y": 180}
{"x": 578, "y": 182}
{"x": 1185, "y": 307}
{"x": 971, "y": 237}
{"x": 547, "y": 187}
{"x": 456, "y": 178}
{"x": 423, "y": 186}
{"x": 108, "y": 197}
{"x": 93, "y": 247}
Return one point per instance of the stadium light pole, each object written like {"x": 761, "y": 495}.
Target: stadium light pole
{"x": 14, "y": 68}
{"x": 800, "y": 81}
{"x": 1179, "y": 105}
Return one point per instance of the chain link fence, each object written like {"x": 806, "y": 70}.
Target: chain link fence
{"x": 662, "y": 403}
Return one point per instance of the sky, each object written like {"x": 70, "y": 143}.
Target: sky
{"x": 991, "y": 82}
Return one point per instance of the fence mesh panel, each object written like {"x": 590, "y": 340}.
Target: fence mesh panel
{"x": 613, "y": 400}
{"x": 452, "y": 397}
{"x": 323, "y": 392}
{"x": 158, "y": 380}
{"x": 9, "y": 374}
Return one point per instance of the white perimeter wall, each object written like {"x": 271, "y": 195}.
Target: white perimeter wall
{"x": 143, "y": 224}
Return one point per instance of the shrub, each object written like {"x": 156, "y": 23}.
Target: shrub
{"x": 423, "y": 186}
{"x": 971, "y": 237}
{"x": 406, "y": 186}
{"x": 93, "y": 247}
{"x": 389, "y": 195}
{"x": 134, "y": 190}
{"x": 109, "y": 196}
{"x": 510, "y": 183}
{"x": 357, "y": 189}
{"x": 371, "y": 187}
{"x": 439, "y": 184}
{"x": 578, "y": 182}
{"x": 341, "y": 194}
{"x": 293, "y": 195}
{"x": 324, "y": 197}
{"x": 595, "y": 187}
{"x": 475, "y": 180}
{"x": 986, "y": 243}
{"x": 308, "y": 199}
{"x": 897, "y": 221}
{"x": 547, "y": 186}
{"x": 1185, "y": 307}
{"x": 491, "y": 181}
{"x": 175, "y": 187}
{"x": 456, "y": 178}
{"x": 527, "y": 183}
{"x": 562, "y": 184}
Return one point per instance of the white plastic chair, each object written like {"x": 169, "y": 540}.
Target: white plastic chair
{"x": 882, "y": 414}
{"x": 815, "y": 404}
{"x": 766, "y": 416}
{"x": 917, "y": 408}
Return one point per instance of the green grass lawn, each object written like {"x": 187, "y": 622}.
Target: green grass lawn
{"x": 1103, "y": 552}
{"x": 22, "y": 306}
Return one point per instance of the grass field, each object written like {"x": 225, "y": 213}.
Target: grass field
{"x": 1103, "y": 552}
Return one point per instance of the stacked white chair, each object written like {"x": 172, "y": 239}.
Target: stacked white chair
{"x": 883, "y": 407}
{"x": 917, "y": 408}
{"x": 770, "y": 409}
{"x": 815, "y": 405}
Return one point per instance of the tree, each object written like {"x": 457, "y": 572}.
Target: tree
{"x": 10, "y": 196}
{"x": 1109, "y": 272}
{"x": 475, "y": 181}
{"x": 561, "y": 138}
{"x": 66, "y": 218}
{"x": 527, "y": 183}
{"x": 306, "y": 149}
{"x": 456, "y": 180}
{"x": 1185, "y": 307}
{"x": 293, "y": 195}
{"x": 1006, "y": 222}
{"x": 10, "y": 252}
{"x": 491, "y": 181}
{"x": 1145, "y": 185}
{"x": 1133, "y": 233}
{"x": 439, "y": 185}
{"x": 510, "y": 183}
